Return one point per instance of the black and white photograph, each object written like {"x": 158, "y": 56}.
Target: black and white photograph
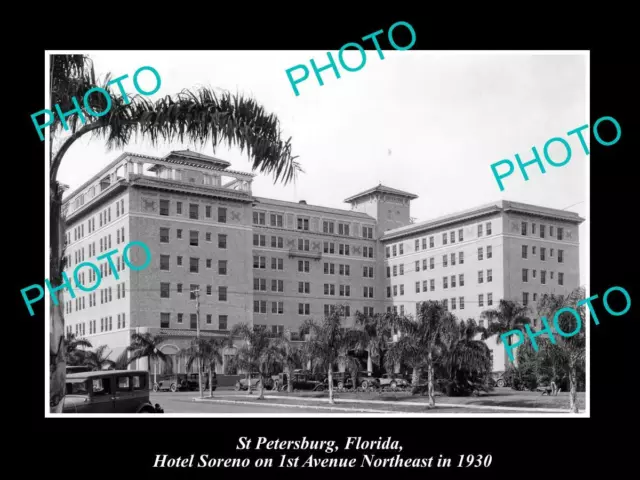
{"x": 318, "y": 239}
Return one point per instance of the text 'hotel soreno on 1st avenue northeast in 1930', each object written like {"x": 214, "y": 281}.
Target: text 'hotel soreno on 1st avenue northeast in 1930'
{"x": 276, "y": 263}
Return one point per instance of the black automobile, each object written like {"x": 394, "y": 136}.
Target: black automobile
{"x": 304, "y": 381}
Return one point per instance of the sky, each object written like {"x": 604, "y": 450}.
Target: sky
{"x": 429, "y": 123}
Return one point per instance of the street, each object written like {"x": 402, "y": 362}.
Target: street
{"x": 181, "y": 402}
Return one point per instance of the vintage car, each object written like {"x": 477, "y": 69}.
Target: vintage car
{"x": 185, "y": 382}
{"x": 77, "y": 369}
{"x": 269, "y": 384}
{"x": 107, "y": 391}
{"x": 303, "y": 381}
{"x": 393, "y": 380}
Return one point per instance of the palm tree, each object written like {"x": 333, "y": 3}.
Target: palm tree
{"x": 422, "y": 341}
{"x": 330, "y": 344}
{"x": 73, "y": 345}
{"x": 259, "y": 353}
{"x": 207, "y": 352}
{"x": 98, "y": 360}
{"x": 146, "y": 345}
{"x": 568, "y": 353}
{"x": 290, "y": 356}
{"x": 379, "y": 332}
{"x": 196, "y": 116}
{"x": 508, "y": 316}
{"x": 465, "y": 358}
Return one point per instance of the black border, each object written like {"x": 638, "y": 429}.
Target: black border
{"x": 540, "y": 446}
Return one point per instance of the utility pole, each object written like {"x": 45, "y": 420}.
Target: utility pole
{"x": 197, "y": 292}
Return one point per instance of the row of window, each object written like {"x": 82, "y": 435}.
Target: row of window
{"x": 194, "y": 264}
{"x": 543, "y": 253}
{"x": 165, "y": 320}
{"x": 543, "y": 276}
{"x": 194, "y": 237}
{"x": 104, "y": 243}
{"x": 447, "y": 237}
{"x": 194, "y": 210}
{"x": 542, "y": 230}
{"x": 302, "y": 223}
{"x": 106, "y": 296}
{"x": 446, "y": 260}
{"x": 194, "y": 290}
{"x": 106, "y": 325}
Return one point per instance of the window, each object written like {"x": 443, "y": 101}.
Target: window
{"x": 444, "y": 261}
{"x": 222, "y": 215}
{"x": 303, "y": 266}
{"x": 395, "y": 270}
{"x": 489, "y": 298}
{"x": 259, "y": 240}
{"x": 304, "y": 308}
{"x": 193, "y": 321}
{"x": 387, "y": 252}
{"x": 304, "y": 287}
{"x": 222, "y": 322}
{"x": 260, "y": 306}
{"x": 164, "y": 236}
{"x": 453, "y": 281}
{"x": 425, "y": 286}
{"x": 417, "y": 266}
{"x": 179, "y": 288}
{"x": 303, "y": 245}
{"x": 192, "y": 291}
{"x": 193, "y": 238}
{"x": 432, "y": 285}
{"x": 276, "y": 220}
{"x": 367, "y": 232}
{"x": 533, "y": 272}
{"x": 424, "y": 243}
{"x": 424, "y": 263}
{"x": 395, "y": 251}
{"x": 431, "y": 263}
{"x": 525, "y": 274}
{"x": 402, "y": 289}
{"x": 480, "y": 256}
{"x": 453, "y": 303}
{"x": 453, "y": 259}
{"x": 207, "y": 211}
{"x": 259, "y": 262}
{"x": 164, "y": 208}
{"x": 543, "y": 277}
{"x": 431, "y": 242}
{"x": 193, "y": 211}
{"x": 560, "y": 256}
{"x": 445, "y": 303}
{"x": 395, "y": 290}
{"x": 461, "y": 279}
{"x": 164, "y": 290}
{"x": 560, "y": 278}
{"x": 542, "y": 253}
{"x": 533, "y": 250}
{"x": 480, "y": 276}
{"x": 222, "y": 241}
{"x": 222, "y": 294}
{"x": 479, "y": 229}
{"x": 541, "y": 231}
{"x": 388, "y": 292}
{"x": 180, "y": 318}
{"x": 417, "y": 247}
{"x": 452, "y": 237}
{"x": 417, "y": 287}
{"x": 535, "y": 299}
{"x": 533, "y": 229}
{"x": 524, "y": 251}
{"x": 551, "y": 252}
{"x": 445, "y": 282}
{"x": 277, "y": 285}
{"x": 489, "y": 275}
{"x": 560, "y": 233}
{"x": 222, "y": 267}
{"x": 164, "y": 262}
{"x": 194, "y": 264}
{"x": 401, "y": 248}
{"x": 488, "y": 228}
{"x": 551, "y": 275}
{"x": 444, "y": 238}
{"x": 388, "y": 271}
{"x": 523, "y": 228}
{"x": 481, "y": 300}
{"x": 551, "y": 230}
{"x": 525, "y": 298}
{"x": 489, "y": 251}
{"x": 343, "y": 229}
{"x": 303, "y": 223}
{"x": 402, "y": 269}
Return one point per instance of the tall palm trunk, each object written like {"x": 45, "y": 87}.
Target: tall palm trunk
{"x": 200, "y": 378}
{"x": 573, "y": 377}
{"x": 248, "y": 376}
{"x": 155, "y": 371}
{"x": 261, "y": 396}
{"x": 432, "y": 401}
{"x": 210, "y": 382}
{"x": 415, "y": 377}
{"x": 330, "y": 381}
{"x": 57, "y": 364}
{"x": 287, "y": 371}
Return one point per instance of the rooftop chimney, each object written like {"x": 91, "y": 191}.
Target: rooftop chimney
{"x": 303, "y": 202}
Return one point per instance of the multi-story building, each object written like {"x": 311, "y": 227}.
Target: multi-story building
{"x": 222, "y": 256}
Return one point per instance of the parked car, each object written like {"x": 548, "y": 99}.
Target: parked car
{"x": 184, "y": 382}
{"x": 498, "y": 379}
{"x": 303, "y": 381}
{"x": 107, "y": 391}
{"x": 364, "y": 379}
{"x": 393, "y": 380}
{"x": 77, "y": 369}
{"x": 255, "y": 382}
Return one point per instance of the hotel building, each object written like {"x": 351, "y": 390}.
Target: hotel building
{"x": 223, "y": 256}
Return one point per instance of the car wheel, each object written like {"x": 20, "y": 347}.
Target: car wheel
{"x": 238, "y": 387}
{"x": 340, "y": 385}
{"x": 320, "y": 388}
{"x": 393, "y": 385}
{"x": 500, "y": 383}
{"x": 365, "y": 385}
{"x": 173, "y": 387}
{"x": 155, "y": 387}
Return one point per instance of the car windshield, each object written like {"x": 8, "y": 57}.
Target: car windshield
{"x": 77, "y": 387}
